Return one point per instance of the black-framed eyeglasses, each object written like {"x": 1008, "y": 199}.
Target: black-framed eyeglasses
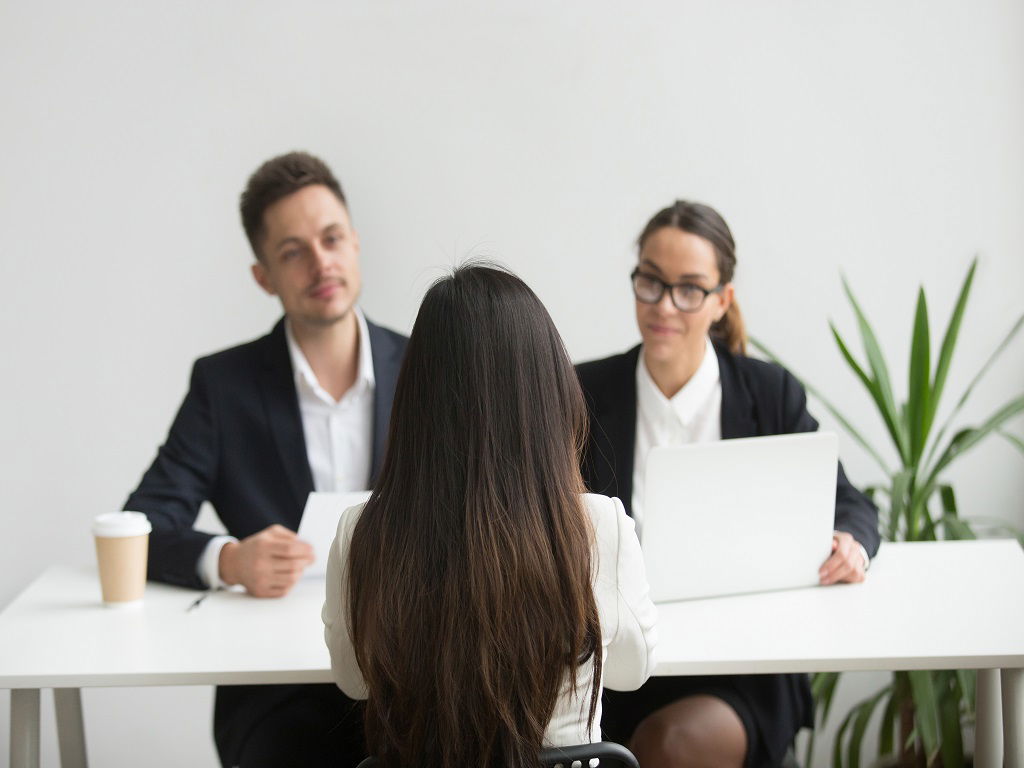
{"x": 687, "y": 297}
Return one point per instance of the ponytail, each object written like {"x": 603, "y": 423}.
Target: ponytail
{"x": 731, "y": 331}
{"x": 704, "y": 221}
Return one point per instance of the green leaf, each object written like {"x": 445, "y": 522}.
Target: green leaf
{"x": 899, "y": 501}
{"x": 948, "y": 499}
{"x": 860, "y": 724}
{"x": 887, "y": 728}
{"x": 922, "y": 521}
{"x": 880, "y": 371}
{"x": 949, "y": 343}
{"x": 1013, "y": 439}
{"x": 872, "y": 388}
{"x": 926, "y": 715}
{"x": 888, "y": 416}
{"x": 816, "y": 393}
{"x": 966, "y": 439}
{"x": 951, "y": 747}
{"x": 851, "y": 361}
{"x": 911, "y": 742}
{"x": 967, "y": 680}
{"x": 919, "y": 385}
{"x": 837, "y": 745}
{"x": 1014, "y": 330}
{"x": 823, "y": 688}
{"x": 970, "y": 387}
{"x": 956, "y": 528}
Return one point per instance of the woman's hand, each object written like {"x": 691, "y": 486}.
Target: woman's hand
{"x": 846, "y": 564}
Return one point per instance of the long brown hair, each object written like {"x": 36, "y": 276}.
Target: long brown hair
{"x": 470, "y": 567}
{"x": 704, "y": 221}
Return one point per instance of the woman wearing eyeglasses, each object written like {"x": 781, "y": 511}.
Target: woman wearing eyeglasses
{"x": 690, "y": 381}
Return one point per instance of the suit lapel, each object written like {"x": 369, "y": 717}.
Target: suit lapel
{"x": 616, "y": 417}
{"x": 738, "y": 417}
{"x": 281, "y": 402}
{"x": 387, "y": 360}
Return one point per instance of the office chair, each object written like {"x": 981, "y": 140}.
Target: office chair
{"x": 610, "y": 754}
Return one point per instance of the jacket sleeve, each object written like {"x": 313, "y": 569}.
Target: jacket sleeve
{"x": 178, "y": 481}
{"x": 631, "y": 652}
{"x": 335, "y": 613}
{"x": 855, "y": 512}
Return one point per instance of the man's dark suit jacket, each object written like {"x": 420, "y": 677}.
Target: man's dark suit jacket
{"x": 237, "y": 442}
{"x": 758, "y": 398}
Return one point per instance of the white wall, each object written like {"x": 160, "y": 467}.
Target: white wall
{"x": 881, "y": 139}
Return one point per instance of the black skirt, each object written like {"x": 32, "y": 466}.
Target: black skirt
{"x": 772, "y": 708}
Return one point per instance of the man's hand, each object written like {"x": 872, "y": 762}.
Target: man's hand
{"x": 846, "y": 563}
{"x": 267, "y": 563}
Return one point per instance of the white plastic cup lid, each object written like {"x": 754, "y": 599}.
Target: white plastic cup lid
{"x": 117, "y": 524}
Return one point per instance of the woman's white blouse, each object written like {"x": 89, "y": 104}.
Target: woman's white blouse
{"x": 692, "y": 415}
{"x": 628, "y": 618}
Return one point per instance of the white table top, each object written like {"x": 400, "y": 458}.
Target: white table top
{"x": 928, "y": 605}
{"x": 935, "y": 605}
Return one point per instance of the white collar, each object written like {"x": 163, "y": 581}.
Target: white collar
{"x": 304, "y": 371}
{"x": 689, "y": 401}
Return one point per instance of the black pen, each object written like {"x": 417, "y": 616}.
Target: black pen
{"x": 197, "y": 601}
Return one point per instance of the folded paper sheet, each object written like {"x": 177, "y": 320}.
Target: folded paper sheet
{"x": 319, "y": 523}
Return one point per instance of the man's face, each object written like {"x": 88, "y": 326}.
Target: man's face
{"x": 310, "y": 257}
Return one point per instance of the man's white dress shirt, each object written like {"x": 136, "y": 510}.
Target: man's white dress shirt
{"x": 338, "y": 433}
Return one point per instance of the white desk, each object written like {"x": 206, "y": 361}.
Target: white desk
{"x": 924, "y": 606}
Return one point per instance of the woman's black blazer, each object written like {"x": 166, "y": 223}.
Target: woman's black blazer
{"x": 758, "y": 398}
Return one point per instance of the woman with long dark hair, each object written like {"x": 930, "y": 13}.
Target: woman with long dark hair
{"x": 690, "y": 381}
{"x": 478, "y": 599}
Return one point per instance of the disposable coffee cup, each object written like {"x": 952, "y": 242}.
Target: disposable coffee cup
{"x": 122, "y": 546}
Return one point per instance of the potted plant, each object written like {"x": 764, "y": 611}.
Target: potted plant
{"x": 923, "y": 712}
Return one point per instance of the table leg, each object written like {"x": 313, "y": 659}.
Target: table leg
{"x": 988, "y": 733}
{"x": 25, "y": 728}
{"x": 1013, "y": 717}
{"x": 70, "y": 728}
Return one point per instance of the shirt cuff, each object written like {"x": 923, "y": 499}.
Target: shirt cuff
{"x": 864, "y": 554}
{"x": 209, "y": 564}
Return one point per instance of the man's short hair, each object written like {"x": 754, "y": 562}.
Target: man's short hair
{"x": 277, "y": 178}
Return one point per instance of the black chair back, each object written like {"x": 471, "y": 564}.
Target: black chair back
{"x": 610, "y": 754}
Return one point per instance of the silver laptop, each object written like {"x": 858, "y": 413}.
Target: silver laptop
{"x": 735, "y": 516}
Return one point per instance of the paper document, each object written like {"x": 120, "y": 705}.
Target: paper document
{"x": 319, "y": 523}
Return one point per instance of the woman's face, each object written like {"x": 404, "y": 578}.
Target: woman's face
{"x": 674, "y": 256}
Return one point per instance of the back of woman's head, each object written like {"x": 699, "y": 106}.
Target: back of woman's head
{"x": 704, "y": 221}
{"x": 470, "y": 567}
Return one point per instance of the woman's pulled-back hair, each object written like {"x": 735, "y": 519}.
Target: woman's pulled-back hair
{"x": 470, "y": 567}
{"x": 704, "y": 221}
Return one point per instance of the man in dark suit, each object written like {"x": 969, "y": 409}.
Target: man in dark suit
{"x": 265, "y": 423}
